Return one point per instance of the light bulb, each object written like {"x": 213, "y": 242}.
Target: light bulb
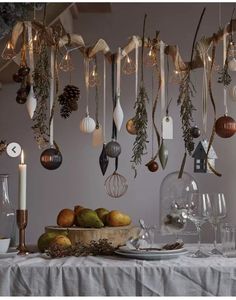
{"x": 232, "y": 50}
{"x": 176, "y": 77}
{"x": 151, "y": 58}
{"x": 93, "y": 77}
{"x": 129, "y": 66}
{"x": 65, "y": 64}
{"x": 8, "y": 51}
{"x": 33, "y": 43}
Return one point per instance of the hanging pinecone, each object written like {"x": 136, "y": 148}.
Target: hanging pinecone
{"x": 68, "y": 100}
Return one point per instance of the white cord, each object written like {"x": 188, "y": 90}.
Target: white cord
{"x": 224, "y": 58}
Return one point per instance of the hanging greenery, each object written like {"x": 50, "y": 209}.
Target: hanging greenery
{"x": 11, "y": 12}
{"x": 41, "y": 77}
{"x": 3, "y": 146}
{"x": 140, "y": 119}
{"x": 187, "y": 91}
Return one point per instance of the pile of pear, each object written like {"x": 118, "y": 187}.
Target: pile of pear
{"x": 88, "y": 218}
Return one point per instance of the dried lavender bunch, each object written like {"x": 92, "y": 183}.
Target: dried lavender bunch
{"x": 41, "y": 77}
{"x": 140, "y": 121}
{"x": 187, "y": 91}
{"x": 101, "y": 247}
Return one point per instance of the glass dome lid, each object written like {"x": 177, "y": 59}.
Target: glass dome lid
{"x": 173, "y": 194}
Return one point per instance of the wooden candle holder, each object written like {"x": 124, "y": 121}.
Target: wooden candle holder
{"x": 22, "y": 220}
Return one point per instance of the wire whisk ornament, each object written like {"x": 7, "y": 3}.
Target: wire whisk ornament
{"x": 116, "y": 185}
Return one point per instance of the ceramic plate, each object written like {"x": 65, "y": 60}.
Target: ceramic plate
{"x": 151, "y": 256}
{"x": 129, "y": 250}
{"x": 11, "y": 252}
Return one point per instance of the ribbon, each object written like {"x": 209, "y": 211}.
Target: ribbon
{"x": 214, "y": 109}
{"x": 162, "y": 73}
{"x": 31, "y": 50}
{"x": 224, "y": 59}
{"x": 52, "y": 87}
{"x": 136, "y": 64}
{"x": 104, "y": 99}
{"x": 118, "y": 73}
{"x": 86, "y": 78}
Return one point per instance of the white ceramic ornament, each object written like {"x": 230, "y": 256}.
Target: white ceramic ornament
{"x": 232, "y": 92}
{"x": 98, "y": 136}
{"x": 87, "y": 125}
{"x": 118, "y": 115}
{"x": 232, "y": 64}
{"x": 31, "y": 102}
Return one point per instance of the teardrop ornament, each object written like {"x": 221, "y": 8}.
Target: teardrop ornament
{"x": 31, "y": 102}
{"x": 118, "y": 115}
{"x": 163, "y": 155}
{"x": 103, "y": 160}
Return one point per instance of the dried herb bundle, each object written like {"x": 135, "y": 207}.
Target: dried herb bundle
{"x": 3, "y": 146}
{"x": 140, "y": 120}
{"x": 225, "y": 77}
{"x": 41, "y": 77}
{"x": 187, "y": 91}
{"x": 101, "y": 247}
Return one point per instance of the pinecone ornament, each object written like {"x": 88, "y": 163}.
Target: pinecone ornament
{"x": 69, "y": 100}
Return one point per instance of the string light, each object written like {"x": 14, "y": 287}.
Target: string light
{"x": 94, "y": 79}
{"x": 8, "y": 51}
{"x": 129, "y": 66}
{"x": 176, "y": 77}
{"x": 151, "y": 58}
{"x": 66, "y": 64}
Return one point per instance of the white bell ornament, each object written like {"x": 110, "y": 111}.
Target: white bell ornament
{"x": 118, "y": 115}
{"x": 87, "y": 125}
{"x": 31, "y": 102}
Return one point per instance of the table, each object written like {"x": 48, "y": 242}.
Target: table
{"x": 117, "y": 276}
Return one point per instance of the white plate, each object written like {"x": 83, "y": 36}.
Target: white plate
{"x": 129, "y": 250}
{"x": 151, "y": 256}
{"x": 11, "y": 252}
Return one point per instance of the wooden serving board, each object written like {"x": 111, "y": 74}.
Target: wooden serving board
{"x": 116, "y": 235}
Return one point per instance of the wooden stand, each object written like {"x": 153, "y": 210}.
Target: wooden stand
{"x": 116, "y": 235}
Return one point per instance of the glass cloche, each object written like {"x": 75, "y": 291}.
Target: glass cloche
{"x": 7, "y": 213}
{"x": 173, "y": 194}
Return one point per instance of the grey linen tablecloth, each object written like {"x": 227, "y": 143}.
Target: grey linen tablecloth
{"x": 116, "y": 276}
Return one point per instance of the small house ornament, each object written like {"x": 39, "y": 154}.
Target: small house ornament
{"x": 201, "y": 159}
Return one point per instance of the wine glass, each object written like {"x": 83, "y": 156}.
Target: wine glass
{"x": 218, "y": 213}
{"x": 198, "y": 210}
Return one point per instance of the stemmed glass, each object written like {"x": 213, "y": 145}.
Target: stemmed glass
{"x": 199, "y": 210}
{"x": 217, "y": 213}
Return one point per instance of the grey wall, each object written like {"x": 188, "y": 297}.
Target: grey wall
{"x": 79, "y": 179}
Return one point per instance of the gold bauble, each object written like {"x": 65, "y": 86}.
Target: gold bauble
{"x": 130, "y": 127}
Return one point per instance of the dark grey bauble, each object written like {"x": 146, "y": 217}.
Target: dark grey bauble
{"x": 195, "y": 132}
{"x": 51, "y": 159}
{"x": 113, "y": 149}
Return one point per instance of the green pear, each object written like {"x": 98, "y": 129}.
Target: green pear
{"x": 46, "y": 238}
{"x": 102, "y": 213}
{"x": 89, "y": 218}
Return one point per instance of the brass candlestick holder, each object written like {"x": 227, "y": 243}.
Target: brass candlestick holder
{"x": 22, "y": 220}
